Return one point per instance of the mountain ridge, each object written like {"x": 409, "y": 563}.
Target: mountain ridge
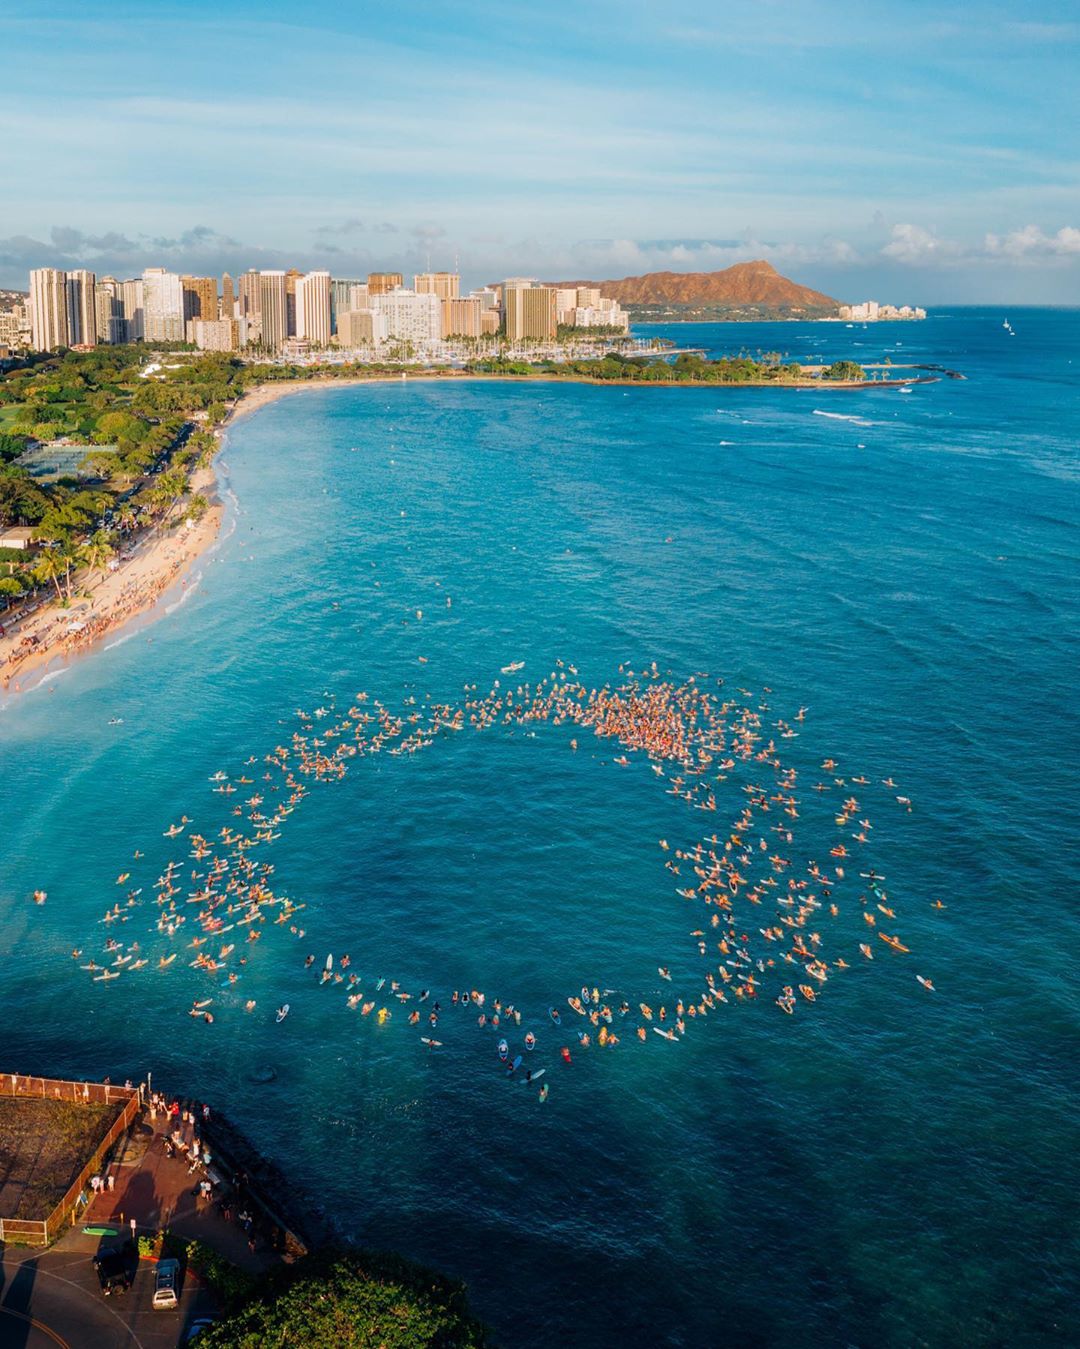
{"x": 755, "y": 283}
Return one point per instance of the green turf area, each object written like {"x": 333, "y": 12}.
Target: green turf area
{"x": 44, "y": 1144}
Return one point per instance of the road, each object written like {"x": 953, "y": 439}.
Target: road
{"x": 51, "y": 1298}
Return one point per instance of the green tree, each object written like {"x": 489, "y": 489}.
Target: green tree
{"x": 351, "y": 1300}
{"x": 49, "y": 567}
{"x": 22, "y": 500}
{"x": 97, "y": 551}
{"x": 11, "y": 446}
{"x": 844, "y": 370}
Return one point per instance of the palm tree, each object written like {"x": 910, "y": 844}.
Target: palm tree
{"x": 49, "y": 567}
{"x": 69, "y": 556}
{"x": 96, "y": 551}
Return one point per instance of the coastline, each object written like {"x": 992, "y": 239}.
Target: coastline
{"x": 159, "y": 564}
{"x": 46, "y": 640}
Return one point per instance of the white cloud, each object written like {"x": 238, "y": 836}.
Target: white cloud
{"x": 917, "y": 246}
{"x": 1032, "y": 242}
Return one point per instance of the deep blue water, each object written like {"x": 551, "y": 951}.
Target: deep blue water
{"x": 888, "y": 1167}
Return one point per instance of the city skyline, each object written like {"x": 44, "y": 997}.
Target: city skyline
{"x": 916, "y": 161}
{"x": 274, "y": 312}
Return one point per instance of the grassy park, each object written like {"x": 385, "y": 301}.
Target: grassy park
{"x": 44, "y": 1144}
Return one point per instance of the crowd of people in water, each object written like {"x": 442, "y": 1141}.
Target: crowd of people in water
{"x": 766, "y": 927}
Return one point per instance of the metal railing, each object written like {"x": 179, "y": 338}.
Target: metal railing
{"x": 41, "y": 1231}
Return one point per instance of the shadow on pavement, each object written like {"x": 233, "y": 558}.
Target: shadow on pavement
{"x": 15, "y": 1297}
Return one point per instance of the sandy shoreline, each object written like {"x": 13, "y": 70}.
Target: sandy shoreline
{"x": 107, "y": 603}
{"x": 52, "y": 636}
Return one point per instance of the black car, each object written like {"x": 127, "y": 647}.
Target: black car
{"x": 115, "y": 1269}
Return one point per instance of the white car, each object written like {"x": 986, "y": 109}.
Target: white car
{"x": 166, "y": 1283}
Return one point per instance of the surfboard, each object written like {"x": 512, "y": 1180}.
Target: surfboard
{"x": 283, "y": 1012}
{"x": 514, "y": 1066}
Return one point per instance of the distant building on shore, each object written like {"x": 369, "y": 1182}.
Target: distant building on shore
{"x": 409, "y": 317}
{"x": 273, "y": 309}
{"x": 446, "y": 285}
{"x": 163, "y": 306}
{"x": 380, "y": 283}
{"x": 82, "y": 309}
{"x": 218, "y": 334}
{"x": 529, "y": 311}
{"x": 313, "y": 314}
{"x": 48, "y": 309}
{"x": 361, "y": 328}
{"x": 870, "y": 311}
{"x": 462, "y": 316}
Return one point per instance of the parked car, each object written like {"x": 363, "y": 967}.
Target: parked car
{"x": 114, "y": 1267}
{"x": 167, "y": 1285}
{"x": 197, "y": 1327}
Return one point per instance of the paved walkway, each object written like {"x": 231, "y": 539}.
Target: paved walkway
{"x": 159, "y": 1192}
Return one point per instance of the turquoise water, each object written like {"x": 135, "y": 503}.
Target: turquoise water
{"x": 887, "y": 1167}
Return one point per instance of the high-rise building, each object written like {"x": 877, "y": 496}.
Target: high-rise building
{"x": 461, "y": 317}
{"x": 13, "y": 334}
{"x": 200, "y": 297}
{"x": 488, "y": 297}
{"x": 250, "y": 294}
{"x": 48, "y": 309}
{"x": 361, "y": 328}
{"x": 410, "y": 317}
{"x": 341, "y": 298}
{"x": 292, "y": 276}
{"x": 273, "y": 309}
{"x": 381, "y": 283}
{"x": 445, "y": 285}
{"x": 219, "y": 334}
{"x": 313, "y": 308}
{"x": 606, "y": 314}
{"x": 163, "y": 306}
{"x": 81, "y": 307}
{"x": 588, "y": 297}
{"x": 131, "y": 306}
{"x": 566, "y": 301}
{"x": 529, "y": 312}
{"x": 109, "y": 311}
{"x": 227, "y": 304}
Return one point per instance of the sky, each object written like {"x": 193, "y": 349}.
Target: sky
{"x": 911, "y": 152}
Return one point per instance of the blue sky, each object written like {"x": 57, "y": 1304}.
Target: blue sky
{"x": 910, "y": 151}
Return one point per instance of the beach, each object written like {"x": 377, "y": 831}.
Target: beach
{"x": 51, "y": 634}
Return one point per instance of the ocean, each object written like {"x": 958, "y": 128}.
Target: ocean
{"x": 889, "y": 1166}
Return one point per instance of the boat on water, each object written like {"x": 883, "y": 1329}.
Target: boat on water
{"x": 513, "y": 667}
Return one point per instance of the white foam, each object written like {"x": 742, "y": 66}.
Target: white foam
{"x": 842, "y": 417}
